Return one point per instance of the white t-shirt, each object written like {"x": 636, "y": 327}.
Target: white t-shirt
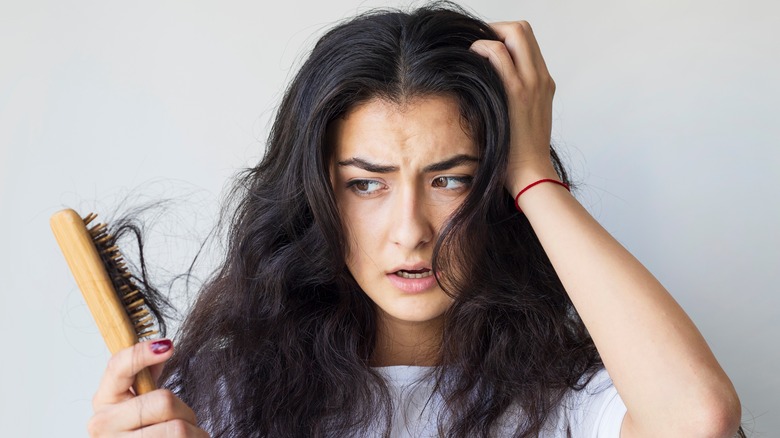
{"x": 596, "y": 411}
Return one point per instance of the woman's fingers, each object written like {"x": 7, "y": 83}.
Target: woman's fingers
{"x": 122, "y": 368}
{"x": 516, "y": 56}
{"x": 498, "y": 55}
{"x": 518, "y": 60}
{"x": 521, "y": 42}
{"x": 120, "y": 413}
{"x": 155, "y": 407}
{"x": 173, "y": 428}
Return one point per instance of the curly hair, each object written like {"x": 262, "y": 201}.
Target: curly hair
{"x": 280, "y": 339}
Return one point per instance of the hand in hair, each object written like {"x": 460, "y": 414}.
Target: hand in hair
{"x": 661, "y": 366}
{"x": 117, "y": 410}
{"x": 530, "y": 89}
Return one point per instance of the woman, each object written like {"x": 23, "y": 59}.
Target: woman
{"x": 406, "y": 260}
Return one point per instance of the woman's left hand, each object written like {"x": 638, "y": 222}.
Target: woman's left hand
{"x": 530, "y": 90}
{"x": 662, "y": 367}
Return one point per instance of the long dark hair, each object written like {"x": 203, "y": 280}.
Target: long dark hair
{"x": 279, "y": 340}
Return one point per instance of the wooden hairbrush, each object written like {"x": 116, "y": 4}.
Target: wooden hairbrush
{"x": 113, "y": 298}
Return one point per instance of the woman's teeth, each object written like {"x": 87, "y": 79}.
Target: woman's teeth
{"x": 405, "y": 274}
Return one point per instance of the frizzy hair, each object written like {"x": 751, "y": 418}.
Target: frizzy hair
{"x": 280, "y": 339}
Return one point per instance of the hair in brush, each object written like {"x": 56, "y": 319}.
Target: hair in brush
{"x": 126, "y": 308}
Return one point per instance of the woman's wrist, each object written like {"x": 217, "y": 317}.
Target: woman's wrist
{"x": 519, "y": 179}
{"x": 534, "y": 184}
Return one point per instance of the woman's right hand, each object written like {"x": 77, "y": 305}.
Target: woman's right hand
{"x": 159, "y": 413}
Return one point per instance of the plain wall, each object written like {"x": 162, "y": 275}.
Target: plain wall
{"x": 666, "y": 111}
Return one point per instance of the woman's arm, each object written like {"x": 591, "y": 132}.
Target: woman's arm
{"x": 664, "y": 371}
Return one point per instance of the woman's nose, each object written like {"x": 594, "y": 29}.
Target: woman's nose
{"x": 411, "y": 223}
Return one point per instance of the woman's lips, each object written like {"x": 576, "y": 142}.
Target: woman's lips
{"x": 412, "y": 285}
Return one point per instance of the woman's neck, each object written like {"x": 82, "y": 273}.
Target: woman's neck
{"x": 407, "y": 343}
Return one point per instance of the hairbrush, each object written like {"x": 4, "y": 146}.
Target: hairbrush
{"x": 117, "y": 304}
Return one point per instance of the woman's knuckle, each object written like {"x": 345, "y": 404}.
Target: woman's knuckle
{"x": 115, "y": 365}
{"x": 177, "y": 428}
{"x": 514, "y": 85}
{"x": 96, "y": 425}
{"x": 518, "y": 27}
{"x": 166, "y": 401}
{"x": 525, "y": 25}
{"x": 493, "y": 45}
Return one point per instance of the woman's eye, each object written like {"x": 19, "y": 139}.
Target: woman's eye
{"x": 452, "y": 182}
{"x": 365, "y": 187}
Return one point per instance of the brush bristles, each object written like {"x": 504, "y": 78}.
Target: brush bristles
{"x": 129, "y": 293}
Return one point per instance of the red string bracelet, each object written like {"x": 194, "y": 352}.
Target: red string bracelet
{"x": 566, "y": 186}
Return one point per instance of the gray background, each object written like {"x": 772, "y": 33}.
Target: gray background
{"x": 666, "y": 111}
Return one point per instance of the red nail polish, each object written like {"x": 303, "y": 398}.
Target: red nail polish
{"x": 161, "y": 346}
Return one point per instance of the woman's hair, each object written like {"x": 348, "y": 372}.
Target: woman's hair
{"x": 279, "y": 341}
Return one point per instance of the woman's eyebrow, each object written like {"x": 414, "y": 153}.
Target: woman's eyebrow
{"x": 447, "y": 164}
{"x": 366, "y": 165}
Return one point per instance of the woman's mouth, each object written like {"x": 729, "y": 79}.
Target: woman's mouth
{"x": 422, "y": 273}
{"x": 413, "y": 281}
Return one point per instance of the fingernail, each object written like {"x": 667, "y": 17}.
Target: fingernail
{"x": 161, "y": 346}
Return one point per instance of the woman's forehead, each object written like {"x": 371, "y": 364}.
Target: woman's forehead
{"x": 384, "y": 129}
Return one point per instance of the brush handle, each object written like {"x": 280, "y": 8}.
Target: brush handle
{"x": 96, "y": 287}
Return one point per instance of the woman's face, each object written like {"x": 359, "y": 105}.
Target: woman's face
{"x": 398, "y": 172}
